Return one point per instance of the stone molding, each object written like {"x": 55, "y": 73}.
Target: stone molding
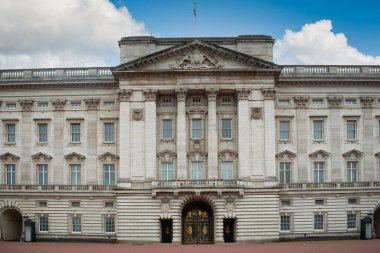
{"x": 196, "y": 60}
{"x": 138, "y": 114}
{"x": 335, "y": 102}
{"x": 92, "y": 104}
{"x": 26, "y": 105}
{"x": 181, "y": 94}
{"x": 243, "y": 93}
{"x": 73, "y": 157}
{"x": 167, "y": 156}
{"x": 301, "y": 102}
{"x": 227, "y": 155}
{"x": 256, "y": 113}
{"x": 367, "y": 102}
{"x": 9, "y": 157}
{"x": 286, "y": 155}
{"x": 125, "y": 95}
{"x": 353, "y": 154}
{"x": 59, "y": 104}
{"x": 108, "y": 156}
{"x": 319, "y": 154}
{"x": 212, "y": 94}
{"x": 41, "y": 156}
{"x": 150, "y": 95}
{"x": 268, "y": 93}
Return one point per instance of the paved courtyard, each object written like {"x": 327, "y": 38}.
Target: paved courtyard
{"x": 344, "y": 246}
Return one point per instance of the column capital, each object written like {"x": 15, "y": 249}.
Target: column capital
{"x": 92, "y": 104}
{"x": 26, "y": 105}
{"x": 181, "y": 94}
{"x": 150, "y": 95}
{"x": 124, "y": 95}
{"x": 212, "y": 94}
{"x": 268, "y": 93}
{"x": 301, "y": 102}
{"x": 367, "y": 102}
{"x": 243, "y": 93}
{"x": 335, "y": 102}
{"x": 59, "y": 104}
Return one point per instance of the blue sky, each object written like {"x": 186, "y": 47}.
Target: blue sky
{"x": 358, "y": 20}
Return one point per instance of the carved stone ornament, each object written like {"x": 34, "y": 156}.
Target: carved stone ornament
{"x": 124, "y": 95}
{"x": 26, "y": 105}
{"x": 107, "y": 156}
{"x": 353, "y": 154}
{"x": 320, "y": 154}
{"x": 165, "y": 208}
{"x": 301, "y": 102}
{"x": 286, "y": 155}
{"x": 181, "y": 94}
{"x": 9, "y": 157}
{"x": 167, "y": 156}
{"x": 230, "y": 204}
{"x": 59, "y": 104}
{"x": 41, "y": 157}
{"x": 150, "y": 95}
{"x": 212, "y": 94}
{"x": 92, "y": 104}
{"x": 367, "y": 102}
{"x": 74, "y": 157}
{"x": 243, "y": 94}
{"x": 196, "y": 60}
{"x": 256, "y": 113}
{"x": 335, "y": 102}
{"x": 268, "y": 93}
{"x": 137, "y": 114}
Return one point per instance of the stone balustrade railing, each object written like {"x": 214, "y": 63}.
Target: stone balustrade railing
{"x": 331, "y": 185}
{"x": 59, "y": 73}
{"x": 4, "y": 187}
{"x": 198, "y": 183}
{"x": 339, "y": 70}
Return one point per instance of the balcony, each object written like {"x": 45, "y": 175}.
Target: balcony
{"x": 198, "y": 183}
{"x": 56, "y": 188}
{"x": 330, "y": 185}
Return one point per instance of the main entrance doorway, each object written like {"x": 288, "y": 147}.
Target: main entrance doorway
{"x": 10, "y": 225}
{"x": 197, "y": 223}
{"x": 229, "y": 230}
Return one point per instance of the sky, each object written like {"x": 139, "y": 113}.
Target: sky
{"x": 84, "y": 33}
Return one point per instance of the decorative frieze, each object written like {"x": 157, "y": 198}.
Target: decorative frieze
{"x": 181, "y": 94}
{"x": 125, "y": 95}
{"x": 256, "y": 113}
{"x": 243, "y": 94}
{"x": 335, "y": 102}
{"x": 196, "y": 60}
{"x": 268, "y": 93}
{"x": 138, "y": 114}
{"x": 150, "y": 95}
{"x": 301, "y": 102}
{"x": 367, "y": 102}
{"x": 59, "y": 104}
{"x": 26, "y": 105}
{"x": 92, "y": 104}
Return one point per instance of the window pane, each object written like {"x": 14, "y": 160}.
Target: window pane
{"x": 351, "y": 129}
{"x": 167, "y": 171}
{"x": 196, "y": 128}
{"x": 352, "y": 171}
{"x": 227, "y": 170}
{"x": 109, "y": 174}
{"x": 197, "y": 171}
{"x": 11, "y": 132}
{"x": 76, "y": 223}
{"x": 318, "y": 222}
{"x": 110, "y": 224}
{"x": 351, "y": 221}
{"x": 318, "y": 129}
{"x": 109, "y": 134}
{"x": 42, "y": 174}
{"x": 10, "y": 174}
{"x": 318, "y": 172}
{"x": 226, "y": 128}
{"x": 44, "y": 223}
{"x": 75, "y": 132}
{"x": 42, "y": 132}
{"x": 75, "y": 174}
{"x": 285, "y": 223}
{"x": 284, "y": 130}
{"x": 167, "y": 129}
{"x": 285, "y": 172}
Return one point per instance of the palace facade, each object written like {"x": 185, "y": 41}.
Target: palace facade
{"x": 190, "y": 140}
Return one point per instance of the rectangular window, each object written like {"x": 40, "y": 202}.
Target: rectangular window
{"x": 319, "y": 222}
{"x": 109, "y": 132}
{"x": 44, "y": 223}
{"x": 76, "y": 104}
{"x": 352, "y": 171}
{"x": 10, "y": 174}
{"x": 109, "y": 103}
{"x": 11, "y": 105}
{"x": 196, "y": 128}
{"x": 319, "y": 202}
{"x": 167, "y": 129}
{"x": 317, "y": 101}
{"x": 76, "y": 224}
{"x": 285, "y": 203}
{"x": 284, "y": 130}
{"x": 10, "y": 133}
{"x": 110, "y": 224}
{"x": 352, "y": 201}
{"x": 319, "y": 172}
{"x": 351, "y": 130}
{"x": 285, "y": 172}
{"x": 42, "y": 174}
{"x": 167, "y": 171}
{"x": 227, "y": 170}
{"x": 75, "y": 177}
{"x": 109, "y": 174}
{"x": 109, "y": 204}
{"x": 197, "y": 171}
{"x": 42, "y": 203}
{"x": 318, "y": 130}
{"x": 75, "y": 204}
{"x": 283, "y": 102}
{"x": 351, "y": 221}
{"x": 42, "y": 104}
{"x": 350, "y": 101}
{"x": 75, "y": 132}
{"x": 42, "y": 132}
{"x": 285, "y": 223}
{"x": 227, "y": 129}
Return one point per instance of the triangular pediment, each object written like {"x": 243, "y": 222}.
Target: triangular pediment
{"x": 353, "y": 154}
{"x": 196, "y": 55}
{"x": 109, "y": 156}
{"x": 284, "y": 155}
{"x": 73, "y": 156}
{"x": 9, "y": 157}
{"x": 41, "y": 156}
{"x": 319, "y": 154}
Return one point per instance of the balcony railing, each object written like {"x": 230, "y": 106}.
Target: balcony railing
{"x": 4, "y": 187}
{"x": 331, "y": 185}
{"x": 329, "y": 70}
{"x": 198, "y": 183}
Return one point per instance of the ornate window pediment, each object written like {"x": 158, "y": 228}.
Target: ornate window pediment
{"x": 286, "y": 155}
{"x": 107, "y": 156}
{"x": 353, "y": 154}
{"x": 320, "y": 154}
{"x": 9, "y": 157}
{"x": 227, "y": 155}
{"x": 75, "y": 157}
{"x": 167, "y": 156}
{"x": 197, "y": 155}
{"x": 41, "y": 157}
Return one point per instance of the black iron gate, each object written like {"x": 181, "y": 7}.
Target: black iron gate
{"x": 197, "y": 227}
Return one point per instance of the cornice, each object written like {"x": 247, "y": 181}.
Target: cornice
{"x": 63, "y": 84}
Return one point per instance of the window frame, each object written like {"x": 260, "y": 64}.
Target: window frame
{"x": 355, "y": 130}
{"x": 40, "y": 223}
{"x": 163, "y": 130}
{"x": 45, "y": 173}
{"x": 323, "y": 170}
{"x": 222, "y": 129}
{"x": 355, "y": 221}
{"x": 324, "y": 218}
{"x": 198, "y": 170}
{"x": 76, "y": 217}
{"x": 282, "y": 225}
{"x": 108, "y": 174}
{"x": 165, "y": 171}
{"x": 322, "y": 130}
{"x": 76, "y": 165}
{"x": 281, "y": 170}
{"x": 231, "y": 171}
{"x": 105, "y": 133}
{"x": 106, "y": 224}
{"x": 8, "y": 139}
{"x": 280, "y": 137}
{"x": 39, "y": 139}
{"x": 11, "y": 173}
{"x": 350, "y": 169}
{"x": 79, "y": 133}
{"x": 201, "y": 129}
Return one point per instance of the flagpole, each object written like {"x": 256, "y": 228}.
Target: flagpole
{"x": 195, "y": 18}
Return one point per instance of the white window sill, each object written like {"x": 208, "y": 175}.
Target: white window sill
{"x": 10, "y": 144}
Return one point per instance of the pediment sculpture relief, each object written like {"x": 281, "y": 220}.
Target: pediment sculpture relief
{"x": 196, "y": 60}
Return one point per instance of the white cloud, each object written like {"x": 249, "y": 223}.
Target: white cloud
{"x": 63, "y": 33}
{"x": 317, "y": 44}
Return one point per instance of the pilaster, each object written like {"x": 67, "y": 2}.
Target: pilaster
{"x": 26, "y": 127}
{"x": 335, "y": 104}
{"x": 92, "y": 140}
{"x": 368, "y": 140}
{"x": 181, "y": 134}
{"x": 212, "y": 140}
{"x": 302, "y": 138}
{"x": 269, "y": 133}
{"x": 58, "y": 142}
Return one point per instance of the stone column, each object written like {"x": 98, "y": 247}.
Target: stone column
{"x": 124, "y": 138}
{"x": 181, "y": 135}
{"x": 302, "y": 138}
{"x": 335, "y": 120}
{"x": 243, "y": 133}
{"x": 25, "y": 132}
{"x": 92, "y": 141}
{"x": 212, "y": 134}
{"x": 58, "y": 142}
{"x": 150, "y": 134}
{"x": 368, "y": 140}
{"x": 269, "y": 134}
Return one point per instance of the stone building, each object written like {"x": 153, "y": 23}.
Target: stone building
{"x": 190, "y": 140}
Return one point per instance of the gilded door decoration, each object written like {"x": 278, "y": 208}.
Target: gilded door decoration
{"x": 197, "y": 227}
